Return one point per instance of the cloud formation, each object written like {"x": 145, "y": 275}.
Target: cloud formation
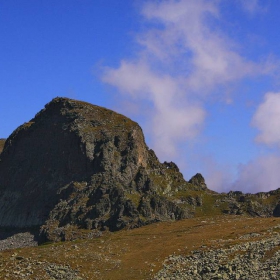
{"x": 262, "y": 173}
{"x": 259, "y": 175}
{"x": 173, "y": 119}
{"x": 267, "y": 119}
{"x": 183, "y": 59}
{"x": 208, "y": 55}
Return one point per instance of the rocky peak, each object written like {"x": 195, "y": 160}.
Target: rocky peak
{"x": 72, "y": 137}
{"x": 79, "y": 164}
{"x": 199, "y": 181}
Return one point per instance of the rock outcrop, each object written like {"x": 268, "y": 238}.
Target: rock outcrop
{"x": 76, "y": 165}
{"x": 198, "y": 180}
{"x": 79, "y": 166}
{"x": 263, "y": 204}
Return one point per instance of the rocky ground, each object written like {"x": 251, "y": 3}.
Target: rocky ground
{"x": 17, "y": 240}
{"x": 225, "y": 247}
{"x": 20, "y": 266}
{"x": 249, "y": 260}
{"x": 23, "y": 268}
{"x": 88, "y": 170}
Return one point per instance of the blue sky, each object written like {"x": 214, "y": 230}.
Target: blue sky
{"x": 200, "y": 77}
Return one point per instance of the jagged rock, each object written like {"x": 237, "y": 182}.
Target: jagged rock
{"x": 194, "y": 201}
{"x": 199, "y": 181}
{"x": 76, "y": 165}
{"x": 259, "y": 204}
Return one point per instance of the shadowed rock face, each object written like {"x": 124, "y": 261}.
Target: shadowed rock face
{"x": 80, "y": 164}
{"x": 276, "y": 211}
{"x": 76, "y": 165}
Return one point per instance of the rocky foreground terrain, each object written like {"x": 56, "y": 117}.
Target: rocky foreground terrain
{"x": 249, "y": 260}
{"x": 220, "y": 247}
{"x": 83, "y": 174}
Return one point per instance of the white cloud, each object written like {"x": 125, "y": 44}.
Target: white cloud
{"x": 217, "y": 176}
{"x": 209, "y": 57}
{"x": 261, "y": 174}
{"x": 267, "y": 119}
{"x": 183, "y": 56}
{"x": 173, "y": 120}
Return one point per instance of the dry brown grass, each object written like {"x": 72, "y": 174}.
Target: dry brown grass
{"x": 139, "y": 253}
{"x": 2, "y": 142}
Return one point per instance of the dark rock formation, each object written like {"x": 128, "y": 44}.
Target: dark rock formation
{"x": 80, "y": 165}
{"x": 276, "y": 211}
{"x": 256, "y": 205}
{"x": 198, "y": 180}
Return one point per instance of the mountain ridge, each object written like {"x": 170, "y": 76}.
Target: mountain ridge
{"x": 79, "y": 166}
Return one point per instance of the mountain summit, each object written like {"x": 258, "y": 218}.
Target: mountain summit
{"x": 79, "y": 166}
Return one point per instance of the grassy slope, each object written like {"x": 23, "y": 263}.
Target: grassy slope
{"x": 138, "y": 253}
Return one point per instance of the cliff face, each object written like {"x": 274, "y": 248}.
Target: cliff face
{"x": 76, "y": 164}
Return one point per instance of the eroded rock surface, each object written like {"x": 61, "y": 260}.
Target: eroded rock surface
{"x": 79, "y": 166}
{"x": 76, "y": 165}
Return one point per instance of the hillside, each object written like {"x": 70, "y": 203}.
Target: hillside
{"x": 158, "y": 251}
{"x": 83, "y": 174}
{"x": 79, "y": 166}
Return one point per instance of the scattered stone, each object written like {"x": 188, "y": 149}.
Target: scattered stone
{"x": 17, "y": 240}
{"x": 250, "y": 261}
